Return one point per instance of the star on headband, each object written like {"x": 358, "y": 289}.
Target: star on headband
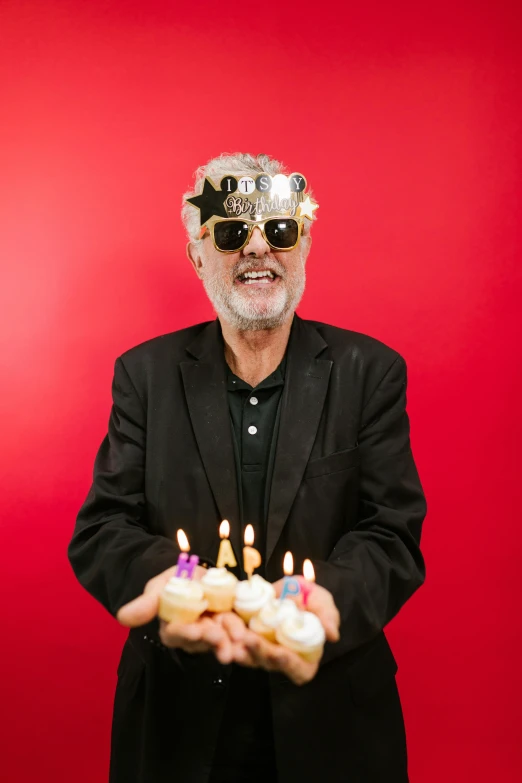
{"x": 306, "y": 208}
{"x": 210, "y": 202}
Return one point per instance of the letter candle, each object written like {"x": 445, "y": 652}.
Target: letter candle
{"x": 251, "y": 557}
{"x": 226, "y": 553}
{"x": 186, "y": 564}
{"x": 307, "y": 580}
{"x": 291, "y": 585}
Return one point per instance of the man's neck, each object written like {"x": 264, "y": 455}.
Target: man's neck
{"x": 254, "y": 355}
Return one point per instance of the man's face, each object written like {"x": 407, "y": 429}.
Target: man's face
{"x": 240, "y": 293}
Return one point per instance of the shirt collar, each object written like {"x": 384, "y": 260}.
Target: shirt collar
{"x": 277, "y": 378}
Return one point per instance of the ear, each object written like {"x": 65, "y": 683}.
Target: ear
{"x": 194, "y": 257}
{"x": 306, "y": 244}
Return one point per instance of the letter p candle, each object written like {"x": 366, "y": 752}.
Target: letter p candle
{"x": 291, "y": 585}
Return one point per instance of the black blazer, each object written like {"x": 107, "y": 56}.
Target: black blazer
{"x": 345, "y": 493}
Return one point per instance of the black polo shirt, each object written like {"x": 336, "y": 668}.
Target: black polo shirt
{"x": 255, "y": 414}
{"x": 245, "y": 748}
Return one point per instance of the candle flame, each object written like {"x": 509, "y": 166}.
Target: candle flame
{"x": 249, "y": 535}
{"x": 308, "y": 571}
{"x": 183, "y": 541}
{"x": 224, "y": 529}
{"x": 288, "y": 564}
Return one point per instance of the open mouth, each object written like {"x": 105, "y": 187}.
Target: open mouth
{"x": 263, "y": 277}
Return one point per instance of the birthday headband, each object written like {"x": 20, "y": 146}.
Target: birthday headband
{"x": 253, "y": 199}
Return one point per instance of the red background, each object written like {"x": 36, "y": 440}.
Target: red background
{"x": 406, "y": 119}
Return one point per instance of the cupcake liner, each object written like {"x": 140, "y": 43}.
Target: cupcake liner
{"x": 261, "y": 629}
{"x": 310, "y": 654}
{"x": 220, "y": 600}
{"x": 246, "y": 616}
{"x": 172, "y": 610}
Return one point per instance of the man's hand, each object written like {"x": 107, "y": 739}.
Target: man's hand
{"x": 204, "y": 635}
{"x": 257, "y": 652}
{"x": 226, "y": 634}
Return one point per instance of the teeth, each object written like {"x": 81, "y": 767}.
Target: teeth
{"x": 253, "y": 275}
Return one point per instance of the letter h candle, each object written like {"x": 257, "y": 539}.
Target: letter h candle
{"x": 186, "y": 564}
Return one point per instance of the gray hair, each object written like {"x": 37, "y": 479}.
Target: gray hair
{"x": 237, "y": 163}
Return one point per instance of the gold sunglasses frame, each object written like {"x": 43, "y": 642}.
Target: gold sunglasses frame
{"x": 256, "y": 224}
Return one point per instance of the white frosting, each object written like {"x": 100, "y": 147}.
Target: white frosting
{"x": 252, "y": 594}
{"x": 185, "y": 588}
{"x": 219, "y": 577}
{"x": 304, "y": 628}
{"x": 275, "y": 611}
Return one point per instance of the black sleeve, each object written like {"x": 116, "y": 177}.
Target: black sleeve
{"x": 112, "y": 552}
{"x": 377, "y": 566}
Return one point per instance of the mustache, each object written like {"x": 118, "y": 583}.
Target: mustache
{"x": 256, "y": 266}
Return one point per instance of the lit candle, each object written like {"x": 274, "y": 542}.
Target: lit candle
{"x": 251, "y": 557}
{"x": 291, "y": 585}
{"x": 307, "y": 581}
{"x": 186, "y": 564}
{"x": 226, "y": 553}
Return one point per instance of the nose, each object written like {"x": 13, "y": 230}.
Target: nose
{"x": 256, "y": 245}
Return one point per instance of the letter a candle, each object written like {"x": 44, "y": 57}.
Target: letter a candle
{"x": 226, "y": 553}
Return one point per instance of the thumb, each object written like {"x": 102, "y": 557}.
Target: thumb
{"x": 323, "y": 605}
{"x": 145, "y": 607}
{"x": 141, "y": 610}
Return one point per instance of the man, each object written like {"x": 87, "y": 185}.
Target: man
{"x": 297, "y": 427}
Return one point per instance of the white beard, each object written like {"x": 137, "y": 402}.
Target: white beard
{"x": 251, "y": 310}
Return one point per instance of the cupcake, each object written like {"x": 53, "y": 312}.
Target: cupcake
{"x": 182, "y": 600}
{"x": 251, "y": 595}
{"x": 304, "y": 634}
{"x": 271, "y": 615}
{"x": 219, "y": 587}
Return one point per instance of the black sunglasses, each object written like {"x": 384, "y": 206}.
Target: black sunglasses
{"x": 280, "y": 233}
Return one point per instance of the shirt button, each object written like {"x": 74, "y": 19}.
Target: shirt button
{"x": 252, "y": 430}
{"x": 218, "y": 682}
{"x": 253, "y": 401}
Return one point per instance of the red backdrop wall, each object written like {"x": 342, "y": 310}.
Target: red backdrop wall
{"x": 406, "y": 119}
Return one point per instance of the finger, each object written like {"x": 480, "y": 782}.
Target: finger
{"x": 264, "y": 653}
{"x": 144, "y": 608}
{"x": 215, "y": 636}
{"x": 288, "y": 662}
{"x": 233, "y": 625}
{"x": 177, "y": 634}
{"x": 297, "y": 669}
{"x": 224, "y": 652}
{"x": 141, "y": 610}
{"x": 275, "y": 657}
{"x": 241, "y": 655}
{"x": 218, "y": 640}
{"x": 203, "y": 636}
{"x": 329, "y": 616}
{"x": 211, "y": 632}
{"x": 177, "y": 637}
{"x": 322, "y": 604}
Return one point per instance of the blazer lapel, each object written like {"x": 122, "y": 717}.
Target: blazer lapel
{"x": 204, "y": 381}
{"x": 306, "y": 384}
